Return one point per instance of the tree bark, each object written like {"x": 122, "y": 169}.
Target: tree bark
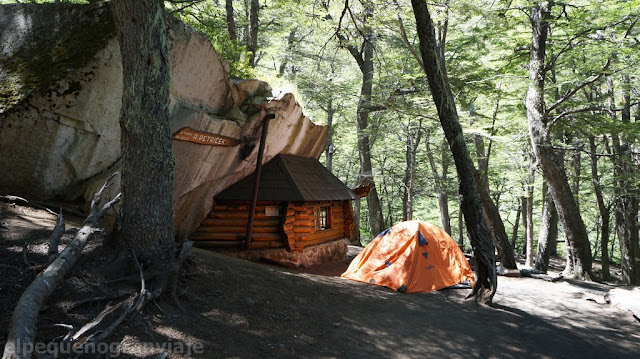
{"x": 479, "y": 234}
{"x": 231, "y": 22}
{"x": 490, "y": 210}
{"x": 330, "y": 148}
{"x": 514, "y": 236}
{"x": 605, "y": 211}
{"x": 147, "y": 156}
{"x": 364, "y": 58}
{"x": 547, "y": 238}
{"x": 525, "y": 218}
{"x": 252, "y": 40}
{"x": 411, "y": 148}
{"x": 626, "y": 209}
{"x": 496, "y": 226}
{"x": 355, "y": 231}
{"x": 440, "y": 182}
{"x": 529, "y": 224}
{"x": 577, "y": 238}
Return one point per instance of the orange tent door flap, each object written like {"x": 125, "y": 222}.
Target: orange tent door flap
{"x": 412, "y": 256}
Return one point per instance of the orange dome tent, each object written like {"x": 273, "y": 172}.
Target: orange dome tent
{"x": 411, "y": 257}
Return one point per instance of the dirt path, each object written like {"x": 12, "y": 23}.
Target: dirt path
{"x": 238, "y": 309}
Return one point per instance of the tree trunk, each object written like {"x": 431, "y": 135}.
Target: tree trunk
{"x": 355, "y": 231}
{"x": 411, "y": 148}
{"x": 147, "y": 156}
{"x": 252, "y": 40}
{"x": 577, "y": 238}
{"x": 547, "y": 238}
{"x": 576, "y": 160}
{"x": 529, "y": 225}
{"x": 626, "y": 209}
{"x": 330, "y": 148}
{"x": 285, "y": 61}
{"x": 490, "y": 210}
{"x": 231, "y": 22}
{"x": 514, "y": 236}
{"x": 440, "y": 182}
{"x": 364, "y": 58}
{"x": 605, "y": 212}
{"x": 496, "y": 226}
{"x": 460, "y": 226}
{"x": 479, "y": 234}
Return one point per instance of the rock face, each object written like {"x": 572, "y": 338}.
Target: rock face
{"x": 60, "y": 98}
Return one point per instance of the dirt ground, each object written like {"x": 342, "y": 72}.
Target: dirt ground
{"x": 240, "y": 309}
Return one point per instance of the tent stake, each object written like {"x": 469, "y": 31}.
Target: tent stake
{"x": 254, "y": 197}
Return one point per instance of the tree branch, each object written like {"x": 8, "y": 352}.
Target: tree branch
{"x": 25, "y": 315}
{"x": 405, "y": 39}
{"x": 569, "y": 94}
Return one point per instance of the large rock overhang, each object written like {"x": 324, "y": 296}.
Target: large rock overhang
{"x": 59, "y": 116}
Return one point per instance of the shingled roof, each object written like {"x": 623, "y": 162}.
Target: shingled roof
{"x": 290, "y": 178}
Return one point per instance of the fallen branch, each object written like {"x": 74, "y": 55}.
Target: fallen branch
{"x": 24, "y": 202}
{"x": 25, "y": 315}
{"x": 95, "y": 299}
{"x": 92, "y": 324}
{"x": 54, "y": 240}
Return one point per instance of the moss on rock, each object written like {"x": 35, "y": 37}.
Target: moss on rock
{"x": 59, "y": 38}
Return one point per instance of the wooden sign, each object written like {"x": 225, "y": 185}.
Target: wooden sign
{"x": 270, "y": 211}
{"x": 203, "y": 138}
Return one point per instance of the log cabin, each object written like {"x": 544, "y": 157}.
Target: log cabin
{"x": 301, "y": 205}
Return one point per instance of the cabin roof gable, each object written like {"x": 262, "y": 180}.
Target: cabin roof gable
{"x": 290, "y": 178}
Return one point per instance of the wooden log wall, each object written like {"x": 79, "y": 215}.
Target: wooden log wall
{"x": 299, "y": 224}
{"x": 226, "y": 226}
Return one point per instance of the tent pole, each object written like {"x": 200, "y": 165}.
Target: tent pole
{"x": 254, "y": 197}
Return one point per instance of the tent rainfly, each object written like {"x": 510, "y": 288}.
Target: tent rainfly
{"x": 412, "y": 256}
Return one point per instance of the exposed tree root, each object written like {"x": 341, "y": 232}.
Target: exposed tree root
{"x": 22, "y": 328}
{"x": 138, "y": 301}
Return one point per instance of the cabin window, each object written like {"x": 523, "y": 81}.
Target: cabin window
{"x": 322, "y": 218}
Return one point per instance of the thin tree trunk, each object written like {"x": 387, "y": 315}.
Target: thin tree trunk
{"x": 479, "y": 234}
{"x": 440, "y": 182}
{"x": 252, "y": 40}
{"x": 496, "y": 226}
{"x": 147, "y": 155}
{"x": 290, "y": 42}
{"x": 355, "y": 231}
{"x": 514, "y": 236}
{"x": 529, "y": 226}
{"x": 330, "y": 148}
{"x": 490, "y": 210}
{"x": 605, "y": 212}
{"x": 414, "y": 136}
{"x": 577, "y": 164}
{"x": 547, "y": 238}
{"x": 231, "y": 22}
{"x": 577, "y": 238}
{"x": 364, "y": 58}
{"x": 626, "y": 210}
{"x": 460, "y": 226}
{"x": 525, "y": 218}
